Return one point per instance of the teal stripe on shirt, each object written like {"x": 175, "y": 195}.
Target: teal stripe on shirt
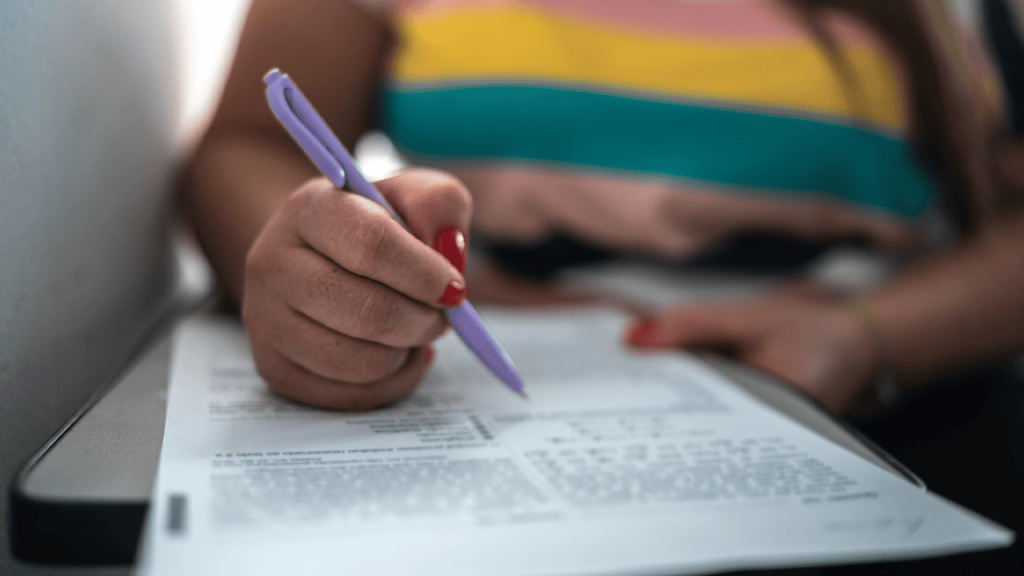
{"x": 784, "y": 154}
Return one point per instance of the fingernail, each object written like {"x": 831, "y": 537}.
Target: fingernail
{"x": 644, "y": 333}
{"x": 453, "y": 295}
{"x": 451, "y": 243}
{"x": 428, "y": 355}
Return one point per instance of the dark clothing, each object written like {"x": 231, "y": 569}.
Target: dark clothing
{"x": 966, "y": 441}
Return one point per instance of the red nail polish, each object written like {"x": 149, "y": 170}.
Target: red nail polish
{"x": 453, "y": 295}
{"x": 451, "y": 243}
{"x": 644, "y": 333}
{"x": 428, "y": 355}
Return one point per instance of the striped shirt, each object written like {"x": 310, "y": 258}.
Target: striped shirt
{"x": 733, "y": 97}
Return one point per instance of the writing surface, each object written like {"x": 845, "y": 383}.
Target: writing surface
{"x": 618, "y": 462}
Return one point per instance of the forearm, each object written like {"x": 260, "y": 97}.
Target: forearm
{"x": 960, "y": 308}
{"x": 246, "y": 165}
{"x": 235, "y": 183}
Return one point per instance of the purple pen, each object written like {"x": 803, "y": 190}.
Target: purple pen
{"x": 317, "y": 140}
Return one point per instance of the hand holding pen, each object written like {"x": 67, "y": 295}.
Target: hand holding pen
{"x": 342, "y": 302}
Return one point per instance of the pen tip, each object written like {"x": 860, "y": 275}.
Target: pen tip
{"x": 514, "y": 383}
{"x": 507, "y": 374}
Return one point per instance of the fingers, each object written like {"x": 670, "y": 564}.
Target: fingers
{"x": 341, "y": 301}
{"x": 328, "y": 353}
{"x": 809, "y": 343}
{"x": 524, "y": 204}
{"x": 740, "y": 330}
{"x": 734, "y": 325}
{"x": 437, "y": 208}
{"x": 292, "y": 381}
{"x": 361, "y": 237}
{"x": 711, "y": 215}
{"x": 429, "y": 201}
{"x": 358, "y": 307}
{"x": 619, "y": 213}
{"x": 304, "y": 360}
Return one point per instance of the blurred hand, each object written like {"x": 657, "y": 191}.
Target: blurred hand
{"x": 808, "y": 342}
{"x": 341, "y": 302}
{"x": 667, "y": 218}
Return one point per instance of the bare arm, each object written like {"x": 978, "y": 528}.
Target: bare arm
{"x": 962, "y": 307}
{"x": 246, "y": 165}
{"x": 340, "y": 301}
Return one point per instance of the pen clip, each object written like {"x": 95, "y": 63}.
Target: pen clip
{"x": 317, "y": 140}
{"x": 291, "y": 110}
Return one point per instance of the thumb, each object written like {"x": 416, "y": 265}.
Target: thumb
{"x": 437, "y": 208}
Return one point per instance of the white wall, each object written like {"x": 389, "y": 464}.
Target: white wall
{"x": 98, "y": 99}
{"x": 208, "y": 31}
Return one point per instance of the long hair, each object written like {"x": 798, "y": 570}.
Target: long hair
{"x": 970, "y": 153}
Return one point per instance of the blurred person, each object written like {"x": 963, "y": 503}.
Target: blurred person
{"x": 653, "y": 127}
{"x": 566, "y": 130}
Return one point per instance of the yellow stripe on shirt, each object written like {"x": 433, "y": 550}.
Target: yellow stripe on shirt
{"x": 519, "y": 44}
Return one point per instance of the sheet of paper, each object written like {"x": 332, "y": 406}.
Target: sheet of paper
{"x": 618, "y": 463}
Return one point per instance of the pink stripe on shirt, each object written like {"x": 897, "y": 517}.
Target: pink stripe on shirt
{"x": 757, "y": 20}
